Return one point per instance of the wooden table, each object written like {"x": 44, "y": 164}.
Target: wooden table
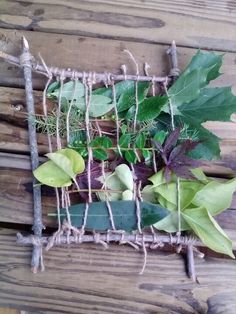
{"x": 93, "y": 35}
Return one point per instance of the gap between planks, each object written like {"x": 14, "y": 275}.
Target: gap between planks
{"x": 206, "y": 24}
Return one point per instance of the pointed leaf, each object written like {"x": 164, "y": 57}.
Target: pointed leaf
{"x": 124, "y": 215}
{"x": 140, "y": 140}
{"x": 151, "y": 107}
{"x": 100, "y": 154}
{"x": 207, "y": 229}
{"x": 188, "y": 189}
{"x": 130, "y": 156}
{"x": 128, "y": 99}
{"x": 99, "y": 105}
{"x": 215, "y": 196}
{"x": 68, "y": 90}
{"x": 170, "y": 223}
{"x": 125, "y": 140}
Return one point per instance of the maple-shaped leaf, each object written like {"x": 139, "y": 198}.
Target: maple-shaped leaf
{"x": 213, "y": 104}
{"x": 175, "y": 157}
{"x": 203, "y": 68}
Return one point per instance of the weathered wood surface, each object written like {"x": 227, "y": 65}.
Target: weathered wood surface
{"x": 222, "y": 303}
{"x": 90, "y": 280}
{"x": 208, "y": 24}
{"x": 97, "y": 54}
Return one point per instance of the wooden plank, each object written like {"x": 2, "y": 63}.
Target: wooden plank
{"x": 88, "y": 279}
{"x": 9, "y": 311}
{"x": 99, "y": 55}
{"x": 16, "y": 198}
{"x": 208, "y": 24}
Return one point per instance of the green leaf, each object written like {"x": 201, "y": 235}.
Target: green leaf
{"x": 130, "y": 156}
{"x": 68, "y": 90}
{"x": 199, "y": 175}
{"x": 140, "y": 140}
{"x": 170, "y": 223}
{"x": 100, "y": 154}
{"x": 148, "y": 194}
{"x": 146, "y": 154}
{"x": 215, "y": 196}
{"x": 150, "y": 108}
{"x": 207, "y": 229}
{"x": 188, "y": 190}
{"x": 101, "y": 141}
{"x": 68, "y": 160}
{"x": 123, "y": 128}
{"x": 213, "y": 104}
{"x": 128, "y": 99}
{"x": 124, "y": 215}
{"x": 208, "y": 148}
{"x": 127, "y": 195}
{"x": 124, "y": 173}
{"x": 160, "y": 137}
{"x": 99, "y": 105}
{"x": 187, "y": 87}
{"x": 76, "y": 160}
{"x": 50, "y": 174}
{"x": 113, "y": 183}
{"x": 52, "y": 87}
{"x": 121, "y": 87}
{"x": 125, "y": 140}
{"x": 208, "y": 60}
{"x": 106, "y": 142}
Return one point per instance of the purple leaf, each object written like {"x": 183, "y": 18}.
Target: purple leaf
{"x": 171, "y": 141}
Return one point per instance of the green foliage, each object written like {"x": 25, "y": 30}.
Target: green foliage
{"x": 124, "y": 215}
{"x": 151, "y": 107}
{"x": 208, "y": 230}
{"x": 194, "y": 104}
{"x": 100, "y": 145}
{"x": 99, "y": 105}
{"x": 127, "y": 99}
{"x": 61, "y": 169}
{"x": 200, "y": 200}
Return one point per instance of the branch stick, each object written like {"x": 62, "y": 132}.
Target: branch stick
{"x": 190, "y": 263}
{"x": 113, "y": 237}
{"x": 172, "y": 51}
{"x": 37, "y": 227}
{"x": 98, "y": 77}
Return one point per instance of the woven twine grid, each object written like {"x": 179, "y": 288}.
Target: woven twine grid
{"x": 62, "y": 194}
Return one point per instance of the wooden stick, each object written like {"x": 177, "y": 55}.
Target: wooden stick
{"x": 172, "y": 51}
{"x": 25, "y": 61}
{"x": 190, "y": 263}
{"x": 98, "y": 77}
{"x": 114, "y": 236}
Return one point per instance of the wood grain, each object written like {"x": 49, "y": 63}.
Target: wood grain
{"x": 90, "y": 280}
{"x": 207, "y": 24}
{"x": 94, "y": 54}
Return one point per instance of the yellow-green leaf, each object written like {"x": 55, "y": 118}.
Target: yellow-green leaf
{"x": 207, "y": 229}
{"x": 75, "y": 158}
{"x": 125, "y": 175}
{"x": 50, "y": 174}
{"x": 215, "y": 196}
